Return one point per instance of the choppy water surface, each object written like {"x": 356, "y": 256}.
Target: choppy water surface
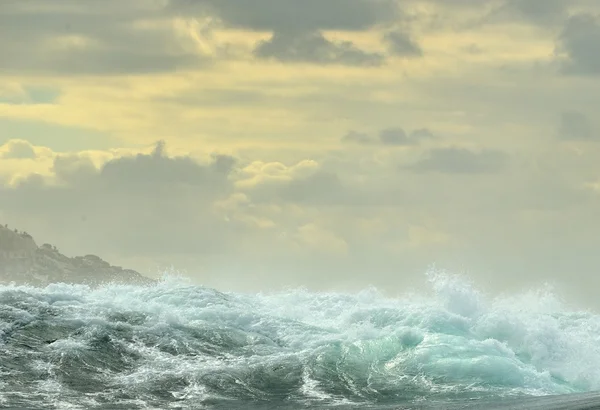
{"x": 173, "y": 345}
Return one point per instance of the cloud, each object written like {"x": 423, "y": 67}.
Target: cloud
{"x": 543, "y": 13}
{"x": 538, "y": 11}
{"x": 142, "y": 204}
{"x": 305, "y": 183}
{"x": 297, "y": 28}
{"x": 579, "y": 44}
{"x": 240, "y": 224}
{"x": 19, "y": 159}
{"x": 228, "y": 217}
{"x": 402, "y": 45}
{"x": 461, "y": 161}
{"x": 66, "y": 39}
{"x": 284, "y": 16}
{"x": 422, "y": 133}
{"x": 74, "y": 169}
{"x": 18, "y": 149}
{"x": 322, "y": 187}
{"x": 575, "y": 125}
{"x": 16, "y": 93}
{"x": 395, "y": 136}
{"x": 313, "y": 47}
{"x": 156, "y": 169}
{"x": 260, "y": 173}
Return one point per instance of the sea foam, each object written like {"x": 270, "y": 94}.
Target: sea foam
{"x": 174, "y": 342}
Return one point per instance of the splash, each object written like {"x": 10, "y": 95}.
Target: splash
{"x": 173, "y": 342}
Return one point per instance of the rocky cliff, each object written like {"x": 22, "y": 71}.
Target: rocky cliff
{"x": 22, "y": 261}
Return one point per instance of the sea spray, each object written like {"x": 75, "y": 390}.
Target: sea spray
{"x": 177, "y": 344}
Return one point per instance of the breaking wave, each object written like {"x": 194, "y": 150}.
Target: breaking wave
{"x": 176, "y": 345}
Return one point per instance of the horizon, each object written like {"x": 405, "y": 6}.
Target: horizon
{"x": 335, "y": 146}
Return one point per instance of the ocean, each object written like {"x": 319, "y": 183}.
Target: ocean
{"x": 174, "y": 345}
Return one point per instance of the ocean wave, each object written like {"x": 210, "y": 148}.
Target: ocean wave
{"x": 184, "y": 345}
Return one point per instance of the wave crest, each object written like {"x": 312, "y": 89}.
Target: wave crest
{"x": 173, "y": 341}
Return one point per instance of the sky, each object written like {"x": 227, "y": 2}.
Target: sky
{"x": 331, "y": 144}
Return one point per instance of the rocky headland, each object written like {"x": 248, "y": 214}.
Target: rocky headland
{"x": 22, "y": 261}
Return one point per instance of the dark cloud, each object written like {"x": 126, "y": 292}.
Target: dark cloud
{"x": 389, "y": 136}
{"x": 313, "y": 47}
{"x": 579, "y": 41}
{"x": 284, "y": 16}
{"x": 75, "y": 39}
{"x": 461, "y": 161}
{"x": 298, "y": 26}
{"x": 539, "y": 11}
{"x": 145, "y": 171}
{"x": 402, "y": 45}
{"x": 544, "y": 13}
{"x": 223, "y": 164}
{"x": 575, "y": 125}
{"x": 71, "y": 40}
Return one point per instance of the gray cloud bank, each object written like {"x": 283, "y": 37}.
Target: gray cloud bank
{"x": 313, "y": 47}
{"x": 70, "y": 38}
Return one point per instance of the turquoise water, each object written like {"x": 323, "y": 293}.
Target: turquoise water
{"x": 175, "y": 345}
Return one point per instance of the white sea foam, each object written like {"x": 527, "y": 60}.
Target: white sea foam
{"x": 176, "y": 341}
